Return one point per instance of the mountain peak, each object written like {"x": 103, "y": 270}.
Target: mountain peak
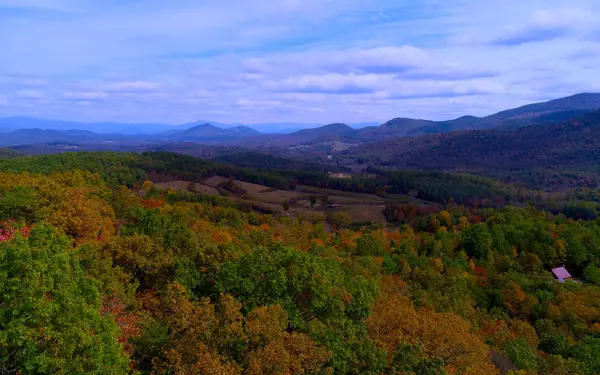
{"x": 203, "y": 127}
{"x": 338, "y": 126}
{"x": 335, "y": 128}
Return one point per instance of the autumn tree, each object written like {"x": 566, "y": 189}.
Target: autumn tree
{"x": 443, "y": 336}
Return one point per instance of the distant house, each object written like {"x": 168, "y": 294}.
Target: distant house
{"x": 334, "y": 206}
{"x": 561, "y": 274}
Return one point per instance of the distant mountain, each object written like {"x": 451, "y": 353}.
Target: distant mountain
{"x": 16, "y": 123}
{"x": 534, "y": 114}
{"x": 571, "y": 144}
{"x": 551, "y": 111}
{"x": 278, "y": 127}
{"x": 210, "y": 134}
{"x": 339, "y": 129}
{"x": 392, "y": 128}
{"x": 305, "y": 137}
{"x": 244, "y": 130}
{"x": 42, "y": 136}
{"x": 360, "y": 125}
{"x": 319, "y": 139}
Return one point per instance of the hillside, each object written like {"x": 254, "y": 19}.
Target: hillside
{"x": 572, "y": 144}
{"x": 320, "y": 139}
{"x": 307, "y": 137}
{"x": 532, "y": 114}
{"x": 551, "y": 111}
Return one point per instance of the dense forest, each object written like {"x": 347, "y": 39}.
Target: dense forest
{"x": 103, "y": 273}
{"x": 556, "y": 155}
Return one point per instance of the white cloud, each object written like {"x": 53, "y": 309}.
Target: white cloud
{"x": 538, "y": 25}
{"x": 252, "y": 76}
{"x": 255, "y": 65}
{"x": 333, "y": 83}
{"x": 258, "y": 103}
{"x": 130, "y": 87}
{"x": 86, "y": 95}
{"x": 381, "y": 59}
{"x": 31, "y": 94}
{"x": 35, "y": 82}
{"x": 57, "y": 5}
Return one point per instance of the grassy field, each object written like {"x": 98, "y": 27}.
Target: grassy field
{"x": 184, "y": 185}
{"x": 360, "y": 208}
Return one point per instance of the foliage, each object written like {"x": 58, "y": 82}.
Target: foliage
{"x": 102, "y": 273}
{"x": 50, "y": 318}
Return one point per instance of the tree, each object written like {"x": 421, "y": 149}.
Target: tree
{"x": 443, "y": 336}
{"x": 50, "y": 318}
{"x": 207, "y": 338}
{"x": 313, "y": 200}
{"x": 592, "y": 274}
{"x": 286, "y": 205}
{"x": 586, "y": 352}
{"x": 339, "y": 219}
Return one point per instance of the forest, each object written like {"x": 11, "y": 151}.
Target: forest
{"x": 103, "y": 273}
{"x": 564, "y": 153}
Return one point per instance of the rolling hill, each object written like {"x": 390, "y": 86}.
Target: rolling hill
{"x": 324, "y": 140}
{"x": 573, "y": 144}
{"x": 534, "y": 114}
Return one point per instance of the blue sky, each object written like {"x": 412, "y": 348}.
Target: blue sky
{"x": 315, "y": 61}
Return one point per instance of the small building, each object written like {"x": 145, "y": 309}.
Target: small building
{"x": 334, "y": 206}
{"x": 561, "y": 274}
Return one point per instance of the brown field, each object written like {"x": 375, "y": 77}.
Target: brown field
{"x": 214, "y": 181}
{"x": 183, "y": 185}
{"x": 363, "y": 213}
{"x": 265, "y": 194}
{"x": 362, "y": 208}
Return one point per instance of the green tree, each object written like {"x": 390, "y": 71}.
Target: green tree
{"x": 586, "y": 352}
{"x": 50, "y": 312}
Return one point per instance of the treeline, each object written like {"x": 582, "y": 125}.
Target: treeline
{"x": 443, "y": 188}
{"x": 128, "y": 168}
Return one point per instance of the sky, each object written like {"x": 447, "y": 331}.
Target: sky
{"x": 308, "y": 61}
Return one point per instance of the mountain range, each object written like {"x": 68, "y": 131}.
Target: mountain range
{"x": 17, "y": 123}
{"x": 329, "y": 138}
{"x": 343, "y": 136}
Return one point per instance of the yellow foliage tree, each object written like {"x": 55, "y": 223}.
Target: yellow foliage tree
{"x": 394, "y": 321}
